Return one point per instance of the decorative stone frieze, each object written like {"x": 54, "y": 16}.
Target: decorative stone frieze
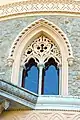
{"x": 31, "y": 6}
{"x": 70, "y": 61}
{"x": 40, "y": 115}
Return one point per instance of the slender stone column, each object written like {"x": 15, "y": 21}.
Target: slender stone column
{"x": 40, "y": 66}
{"x": 60, "y": 79}
{"x": 20, "y": 75}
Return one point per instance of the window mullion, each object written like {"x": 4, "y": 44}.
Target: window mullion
{"x": 40, "y": 66}
{"x": 60, "y": 79}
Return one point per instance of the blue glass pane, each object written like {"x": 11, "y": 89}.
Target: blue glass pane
{"x": 31, "y": 80}
{"x": 51, "y": 82}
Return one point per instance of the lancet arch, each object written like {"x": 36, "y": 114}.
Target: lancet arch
{"x": 30, "y": 36}
{"x": 37, "y": 24}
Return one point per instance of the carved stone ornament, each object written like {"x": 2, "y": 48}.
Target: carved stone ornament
{"x": 10, "y": 61}
{"x": 70, "y": 61}
{"x": 41, "y": 49}
{"x": 6, "y": 104}
{"x": 39, "y": 23}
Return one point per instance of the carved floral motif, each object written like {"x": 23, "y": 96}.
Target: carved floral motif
{"x": 25, "y": 32}
{"x": 41, "y": 49}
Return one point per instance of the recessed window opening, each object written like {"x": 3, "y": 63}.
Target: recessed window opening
{"x": 30, "y": 76}
{"x": 50, "y": 79}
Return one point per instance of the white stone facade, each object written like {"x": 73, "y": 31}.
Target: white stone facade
{"x": 57, "y": 21}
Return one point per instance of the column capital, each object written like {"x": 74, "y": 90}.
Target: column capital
{"x": 70, "y": 61}
{"x": 40, "y": 65}
{"x": 22, "y": 66}
{"x": 10, "y": 61}
{"x": 59, "y": 65}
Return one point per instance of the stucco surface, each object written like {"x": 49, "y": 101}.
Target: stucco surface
{"x": 9, "y": 29}
{"x": 40, "y": 115}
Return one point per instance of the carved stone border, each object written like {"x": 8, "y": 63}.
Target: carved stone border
{"x": 24, "y": 32}
{"x": 39, "y": 6}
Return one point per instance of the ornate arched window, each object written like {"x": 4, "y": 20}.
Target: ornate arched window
{"x": 39, "y": 57}
{"x": 41, "y": 60}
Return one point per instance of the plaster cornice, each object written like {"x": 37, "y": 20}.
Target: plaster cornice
{"x": 20, "y": 9}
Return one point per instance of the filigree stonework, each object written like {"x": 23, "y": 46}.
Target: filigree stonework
{"x": 41, "y": 49}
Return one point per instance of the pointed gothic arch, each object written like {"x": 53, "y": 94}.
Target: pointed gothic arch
{"x": 28, "y": 36}
{"x": 44, "y": 25}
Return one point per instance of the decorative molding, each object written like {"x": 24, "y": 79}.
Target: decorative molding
{"x": 10, "y": 62}
{"x": 38, "y": 6}
{"x": 33, "y": 116}
{"x": 26, "y": 31}
{"x": 41, "y": 49}
{"x": 38, "y": 115}
{"x": 56, "y": 117}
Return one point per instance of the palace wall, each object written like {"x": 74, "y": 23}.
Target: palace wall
{"x": 9, "y": 29}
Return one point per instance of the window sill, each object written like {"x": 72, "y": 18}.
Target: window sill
{"x": 33, "y": 101}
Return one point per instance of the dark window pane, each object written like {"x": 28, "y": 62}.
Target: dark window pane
{"x": 51, "y": 81}
{"x": 31, "y": 80}
{"x": 30, "y": 77}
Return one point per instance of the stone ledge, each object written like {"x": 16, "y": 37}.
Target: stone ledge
{"x": 33, "y": 101}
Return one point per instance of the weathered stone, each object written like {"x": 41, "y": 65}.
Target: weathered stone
{"x": 9, "y": 29}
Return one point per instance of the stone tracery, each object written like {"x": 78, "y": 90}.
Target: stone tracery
{"x": 41, "y": 50}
